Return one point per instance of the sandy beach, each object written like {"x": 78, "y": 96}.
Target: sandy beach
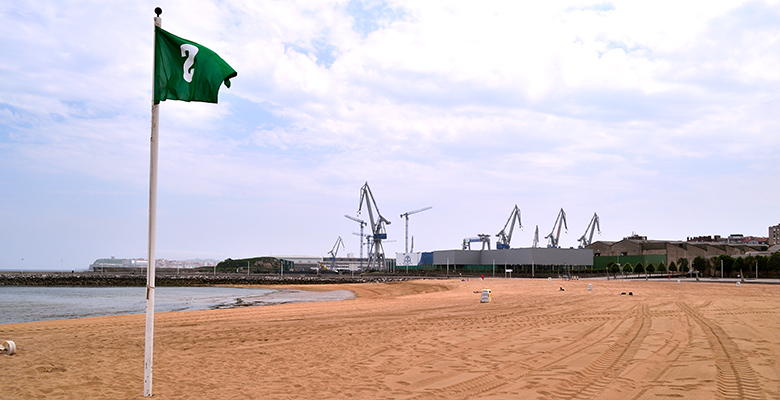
{"x": 425, "y": 340}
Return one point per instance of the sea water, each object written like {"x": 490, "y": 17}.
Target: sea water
{"x": 35, "y": 303}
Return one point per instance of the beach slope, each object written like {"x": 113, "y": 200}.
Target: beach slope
{"x": 425, "y": 340}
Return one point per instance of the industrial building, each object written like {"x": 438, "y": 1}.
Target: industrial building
{"x": 636, "y": 250}
{"x": 487, "y": 261}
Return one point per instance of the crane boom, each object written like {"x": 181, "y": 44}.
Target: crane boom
{"x": 416, "y": 211}
{"x": 555, "y": 234}
{"x": 334, "y": 252}
{"x": 504, "y": 237}
{"x": 360, "y": 221}
{"x": 592, "y": 226}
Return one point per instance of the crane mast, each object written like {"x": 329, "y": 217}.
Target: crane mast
{"x": 536, "y": 238}
{"x": 555, "y": 234}
{"x": 362, "y": 224}
{"x": 587, "y": 237}
{"x": 504, "y": 238}
{"x": 377, "y": 227}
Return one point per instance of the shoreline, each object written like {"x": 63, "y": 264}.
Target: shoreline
{"x": 30, "y": 304}
{"x": 100, "y": 279}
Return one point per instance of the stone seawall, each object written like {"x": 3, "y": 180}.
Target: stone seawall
{"x": 120, "y": 279}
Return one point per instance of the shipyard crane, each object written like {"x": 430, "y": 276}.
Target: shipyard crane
{"x": 536, "y": 238}
{"x": 406, "y": 231}
{"x": 334, "y": 252}
{"x": 378, "y": 231}
{"x": 505, "y": 238}
{"x": 483, "y": 238}
{"x": 555, "y": 234}
{"x": 592, "y": 226}
{"x": 362, "y": 224}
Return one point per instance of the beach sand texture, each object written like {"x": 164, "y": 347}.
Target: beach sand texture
{"x": 425, "y": 340}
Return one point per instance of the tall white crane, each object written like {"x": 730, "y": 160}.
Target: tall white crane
{"x": 362, "y": 224}
{"x": 406, "y": 231}
{"x": 504, "y": 238}
{"x": 334, "y": 252}
{"x": 378, "y": 231}
{"x": 587, "y": 237}
{"x": 555, "y": 234}
{"x": 536, "y": 238}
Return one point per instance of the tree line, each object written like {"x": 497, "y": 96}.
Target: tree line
{"x": 732, "y": 267}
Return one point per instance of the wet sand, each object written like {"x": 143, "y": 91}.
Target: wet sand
{"x": 425, "y": 339}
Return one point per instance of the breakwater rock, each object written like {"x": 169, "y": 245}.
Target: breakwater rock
{"x": 130, "y": 279}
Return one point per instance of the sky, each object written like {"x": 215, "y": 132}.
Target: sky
{"x": 662, "y": 117}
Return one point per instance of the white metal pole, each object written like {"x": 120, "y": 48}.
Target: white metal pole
{"x": 406, "y": 235}
{"x": 149, "y": 335}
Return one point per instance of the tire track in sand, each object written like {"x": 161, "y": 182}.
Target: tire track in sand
{"x": 736, "y": 379}
{"x": 589, "y": 382}
{"x": 471, "y": 388}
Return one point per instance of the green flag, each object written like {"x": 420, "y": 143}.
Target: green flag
{"x": 185, "y": 70}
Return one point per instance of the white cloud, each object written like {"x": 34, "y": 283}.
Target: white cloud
{"x": 472, "y": 105}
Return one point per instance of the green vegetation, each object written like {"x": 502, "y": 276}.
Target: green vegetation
{"x": 682, "y": 263}
{"x": 255, "y": 264}
{"x": 699, "y": 264}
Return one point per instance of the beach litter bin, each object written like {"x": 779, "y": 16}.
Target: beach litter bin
{"x": 8, "y": 347}
{"x": 590, "y": 287}
{"x": 487, "y": 296}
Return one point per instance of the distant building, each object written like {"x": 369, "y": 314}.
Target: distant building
{"x": 774, "y": 235}
{"x": 734, "y": 238}
{"x": 667, "y": 251}
{"x": 102, "y": 264}
{"x": 105, "y": 264}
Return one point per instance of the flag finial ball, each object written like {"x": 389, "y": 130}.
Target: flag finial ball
{"x": 158, "y": 11}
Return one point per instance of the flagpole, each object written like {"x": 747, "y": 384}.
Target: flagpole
{"x": 150, "y": 269}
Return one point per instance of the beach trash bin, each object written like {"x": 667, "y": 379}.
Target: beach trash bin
{"x": 8, "y": 347}
{"x": 487, "y": 295}
{"x": 590, "y": 286}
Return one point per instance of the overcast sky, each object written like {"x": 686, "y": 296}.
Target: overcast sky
{"x": 661, "y": 116}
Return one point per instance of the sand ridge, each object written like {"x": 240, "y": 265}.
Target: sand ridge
{"x": 426, "y": 340}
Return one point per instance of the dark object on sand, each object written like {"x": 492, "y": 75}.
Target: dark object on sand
{"x": 561, "y": 289}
